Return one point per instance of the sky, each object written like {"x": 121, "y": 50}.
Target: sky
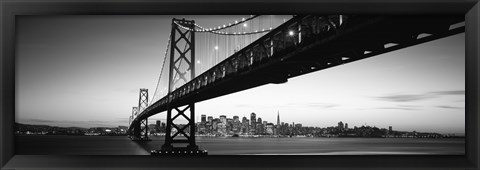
{"x": 86, "y": 71}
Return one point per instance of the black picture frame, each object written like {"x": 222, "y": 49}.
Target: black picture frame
{"x": 10, "y": 9}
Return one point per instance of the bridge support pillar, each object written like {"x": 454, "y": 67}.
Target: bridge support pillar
{"x": 181, "y": 133}
{"x": 136, "y": 132}
{"x": 144, "y": 129}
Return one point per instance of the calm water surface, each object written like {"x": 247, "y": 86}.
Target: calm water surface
{"x": 121, "y": 145}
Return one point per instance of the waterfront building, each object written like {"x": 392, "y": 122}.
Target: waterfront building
{"x": 244, "y": 119}
{"x": 270, "y": 128}
{"x": 236, "y": 125}
{"x": 229, "y": 125}
{"x": 208, "y": 127}
{"x": 253, "y": 123}
{"x": 259, "y": 129}
{"x": 246, "y": 127}
{"x": 278, "y": 118}
{"x": 253, "y": 120}
{"x": 215, "y": 123}
{"x": 264, "y": 126}
{"x": 222, "y": 128}
{"x": 223, "y": 119}
{"x": 157, "y": 126}
{"x": 340, "y": 125}
{"x": 204, "y": 119}
{"x": 210, "y": 119}
{"x": 277, "y": 129}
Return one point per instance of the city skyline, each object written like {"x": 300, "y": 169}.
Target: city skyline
{"x": 88, "y": 69}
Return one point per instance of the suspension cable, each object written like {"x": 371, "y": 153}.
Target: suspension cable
{"x": 215, "y": 30}
{"x": 161, "y": 70}
{"x": 225, "y": 26}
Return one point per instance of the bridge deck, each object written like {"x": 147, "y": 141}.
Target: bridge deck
{"x": 277, "y": 56}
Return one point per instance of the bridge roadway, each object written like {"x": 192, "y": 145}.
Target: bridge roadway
{"x": 306, "y": 44}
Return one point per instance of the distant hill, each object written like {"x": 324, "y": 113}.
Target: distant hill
{"x": 28, "y": 129}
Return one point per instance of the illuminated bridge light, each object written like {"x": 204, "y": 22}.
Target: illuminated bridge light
{"x": 389, "y": 45}
{"x": 291, "y": 33}
{"x": 423, "y": 35}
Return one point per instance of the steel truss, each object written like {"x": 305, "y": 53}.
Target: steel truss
{"x": 182, "y": 70}
{"x": 140, "y": 131}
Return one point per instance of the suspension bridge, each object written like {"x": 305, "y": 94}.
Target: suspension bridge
{"x": 202, "y": 63}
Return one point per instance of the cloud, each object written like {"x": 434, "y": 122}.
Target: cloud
{"x": 404, "y": 97}
{"x": 417, "y": 97}
{"x": 449, "y": 107}
{"x": 456, "y": 92}
{"x": 406, "y": 105}
{"x": 322, "y": 105}
{"x": 397, "y": 108}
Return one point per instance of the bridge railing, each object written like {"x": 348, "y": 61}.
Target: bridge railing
{"x": 296, "y": 31}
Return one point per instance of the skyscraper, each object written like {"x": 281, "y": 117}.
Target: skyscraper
{"x": 253, "y": 123}
{"x": 204, "y": 119}
{"x": 340, "y": 125}
{"x": 270, "y": 128}
{"x": 157, "y": 127}
{"x": 278, "y": 123}
{"x": 210, "y": 119}
{"x": 253, "y": 118}
{"x": 278, "y": 118}
{"x": 236, "y": 124}
{"x": 223, "y": 119}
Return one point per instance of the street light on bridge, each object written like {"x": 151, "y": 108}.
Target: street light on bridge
{"x": 291, "y": 33}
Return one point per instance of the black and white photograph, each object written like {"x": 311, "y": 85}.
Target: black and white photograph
{"x": 202, "y": 85}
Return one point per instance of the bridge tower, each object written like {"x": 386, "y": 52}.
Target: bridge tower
{"x": 181, "y": 70}
{"x": 142, "y": 105}
{"x": 136, "y": 129}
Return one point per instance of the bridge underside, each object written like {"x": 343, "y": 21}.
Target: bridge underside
{"x": 344, "y": 47}
{"x": 362, "y": 37}
{"x": 367, "y": 38}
